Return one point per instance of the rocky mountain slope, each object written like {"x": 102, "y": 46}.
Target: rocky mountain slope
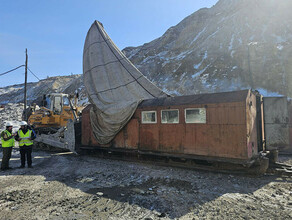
{"x": 233, "y": 45}
{"x": 65, "y": 84}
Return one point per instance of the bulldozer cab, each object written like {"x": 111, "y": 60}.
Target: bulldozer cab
{"x": 56, "y": 101}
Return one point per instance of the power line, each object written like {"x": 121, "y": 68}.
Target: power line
{"x": 33, "y": 74}
{"x": 29, "y": 71}
{"x": 39, "y": 80}
{"x": 11, "y": 70}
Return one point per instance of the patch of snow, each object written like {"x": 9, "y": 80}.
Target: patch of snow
{"x": 11, "y": 89}
{"x": 133, "y": 53}
{"x": 161, "y": 54}
{"x": 197, "y": 66}
{"x": 165, "y": 62}
{"x": 198, "y": 35}
{"x": 182, "y": 76}
{"x": 212, "y": 35}
{"x": 175, "y": 92}
{"x": 174, "y": 70}
{"x": 234, "y": 196}
{"x": 232, "y": 53}
{"x": 239, "y": 40}
{"x": 267, "y": 93}
{"x": 169, "y": 59}
{"x": 181, "y": 55}
{"x": 204, "y": 80}
{"x": 252, "y": 43}
{"x": 206, "y": 54}
{"x": 231, "y": 43}
{"x": 200, "y": 72}
{"x": 280, "y": 47}
{"x": 226, "y": 18}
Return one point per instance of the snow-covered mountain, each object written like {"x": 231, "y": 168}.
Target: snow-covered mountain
{"x": 233, "y": 45}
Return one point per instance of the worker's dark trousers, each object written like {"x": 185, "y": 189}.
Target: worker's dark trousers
{"x": 25, "y": 150}
{"x": 6, "y": 157}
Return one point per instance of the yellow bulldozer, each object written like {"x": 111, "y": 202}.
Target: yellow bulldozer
{"x": 54, "y": 121}
{"x": 56, "y": 110}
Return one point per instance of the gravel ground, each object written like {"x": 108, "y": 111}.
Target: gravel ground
{"x": 66, "y": 186}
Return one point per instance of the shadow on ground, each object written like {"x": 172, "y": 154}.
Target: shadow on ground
{"x": 171, "y": 192}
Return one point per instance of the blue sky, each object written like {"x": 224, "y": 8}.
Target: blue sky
{"x": 54, "y": 31}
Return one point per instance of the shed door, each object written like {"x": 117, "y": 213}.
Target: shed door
{"x": 276, "y": 123}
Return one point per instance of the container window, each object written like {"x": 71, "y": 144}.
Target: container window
{"x": 195, "y": 115}
{"x": 169, "y": 116}
{"x": 149, "y": 117}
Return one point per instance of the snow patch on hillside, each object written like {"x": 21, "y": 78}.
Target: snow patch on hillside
{"x": 197, "y": 66}
{"x": 10, "y": 89}
{"x": 267, "y": 93}
{"x": 198, "y": 35}
{"x": 200, "y": 72}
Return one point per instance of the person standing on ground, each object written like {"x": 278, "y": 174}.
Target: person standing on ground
{"x": 7, "y": 139}
{"x": 25, "y": 136}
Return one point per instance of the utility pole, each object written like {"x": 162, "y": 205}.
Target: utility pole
{"x": 25, "y": 83}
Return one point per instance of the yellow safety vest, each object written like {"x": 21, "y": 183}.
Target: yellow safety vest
{"x": 10, "y": 142}
{"x": 25, "y": 138}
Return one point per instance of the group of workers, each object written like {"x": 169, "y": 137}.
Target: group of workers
{"x": 25, "y": 136}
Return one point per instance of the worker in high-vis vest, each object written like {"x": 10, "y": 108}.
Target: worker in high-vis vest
{"x": 25, "y": 136}
{"x": 7, "y": 140}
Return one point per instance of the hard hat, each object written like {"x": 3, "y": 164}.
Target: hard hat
{"x": 9, "y": 124}
{"x": 23, "y": 123}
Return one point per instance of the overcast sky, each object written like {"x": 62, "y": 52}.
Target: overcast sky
{"x": 54, "y": 31}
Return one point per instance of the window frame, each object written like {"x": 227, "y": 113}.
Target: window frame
{"x": 143, "y": 122}
{"x": 56, "y": 103}
{"x": 195, "y": 122}
{"x": 170, "y": 110}
{"x": 65, "y": 98}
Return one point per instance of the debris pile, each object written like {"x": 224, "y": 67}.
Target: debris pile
{"x": 11, "y": 112}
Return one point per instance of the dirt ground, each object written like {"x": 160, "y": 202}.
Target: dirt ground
{"x": 67, "y": 186}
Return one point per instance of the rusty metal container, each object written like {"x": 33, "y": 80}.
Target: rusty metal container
{"x": 227, "y": 130}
